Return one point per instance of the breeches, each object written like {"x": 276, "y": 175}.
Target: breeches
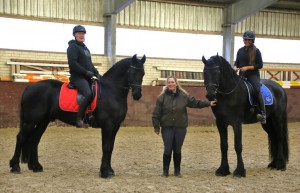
{"x": 173, "y": 138}
{"x": 255, "y": 81}
{"x": 84, "y": 88}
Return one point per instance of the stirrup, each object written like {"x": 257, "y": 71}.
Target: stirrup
{"x": 81, "y": 124}
{"x": 262, "y": 118}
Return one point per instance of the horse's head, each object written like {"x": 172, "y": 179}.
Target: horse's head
{"x": 136, "y": 73}
{"x": 211, "y": 76}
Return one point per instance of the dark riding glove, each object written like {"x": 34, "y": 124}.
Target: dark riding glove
{"x": 89, "y": 74}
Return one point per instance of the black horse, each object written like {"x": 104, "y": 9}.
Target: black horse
{"x": 40, "y": 106}
{"x": 233, "y": 108}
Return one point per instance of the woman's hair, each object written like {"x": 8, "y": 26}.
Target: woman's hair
{"x": 252, "y": 54}
{"x": 178, "y": 85}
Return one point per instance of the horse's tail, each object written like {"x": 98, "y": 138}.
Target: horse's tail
{"x": 285, "y": 137}
{"x": 23, "y": 135}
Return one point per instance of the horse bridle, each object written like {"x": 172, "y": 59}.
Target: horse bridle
{"x": 131, "y": 85}
{"x": 217, "y": 85}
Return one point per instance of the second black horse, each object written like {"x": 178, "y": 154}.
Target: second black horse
{"x": 233, "y": 108}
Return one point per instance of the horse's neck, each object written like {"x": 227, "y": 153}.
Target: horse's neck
{"x": 118, "y": 77}
{"x": 228, "y": 81}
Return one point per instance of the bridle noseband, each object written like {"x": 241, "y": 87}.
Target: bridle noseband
{"x": 131, "y": 85}
{"x": 217, "y": 85}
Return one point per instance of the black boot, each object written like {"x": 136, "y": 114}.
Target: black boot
{"x": 81, "y": 112}
{"x": 166, "y": 165}
{"x": 177, "y": 162}
{"x": 261, "y": 117}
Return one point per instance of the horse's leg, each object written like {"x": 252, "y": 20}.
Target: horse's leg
{"x": 22, "y": 137}
{"x": 283, "y": 146}
{"x": 33, "y": 163}
{"x": 269, "y": 128}
{"x": 108, "y": 141}
{"x": 223, "y": 170}
{"x": 278, "y": 142}
{"x": 238, "y": 146}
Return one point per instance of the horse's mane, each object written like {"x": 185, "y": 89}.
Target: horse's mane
{"x": 122, "y": 65}
{"x": 225, "y": 67}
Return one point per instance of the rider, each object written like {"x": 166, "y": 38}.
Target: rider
{"x": 249, "y": 61}
{"x": 81, "y": 71}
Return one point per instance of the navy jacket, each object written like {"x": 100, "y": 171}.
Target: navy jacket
{"x": 243, "y": 59}
{"x": 79, "y": 60}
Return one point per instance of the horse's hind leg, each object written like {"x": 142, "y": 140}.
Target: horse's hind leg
{"x": 22, "y": 137}
{"x": 14, "y": 163}
{"x": 278, "y": 147}
{"x": 33, "y": 163}
{"x": 269, "y": 128}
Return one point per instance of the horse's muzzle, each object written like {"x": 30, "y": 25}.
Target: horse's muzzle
{"x": 136, "y": 93}
{"x": 210, "y": 97}
{"x": 211, "y": 92}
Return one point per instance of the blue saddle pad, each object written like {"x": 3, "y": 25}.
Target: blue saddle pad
{"x": 266, "y": 93}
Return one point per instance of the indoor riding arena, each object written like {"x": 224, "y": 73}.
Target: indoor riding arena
{"x": 71, "y": 157}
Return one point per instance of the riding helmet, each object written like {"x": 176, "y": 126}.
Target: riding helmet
{"x": 249, "y": 35}
{"x": 78, "y": 28}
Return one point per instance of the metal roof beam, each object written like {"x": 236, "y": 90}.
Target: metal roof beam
{"x": 244, "y": 8}
{"x": 116, "y": 6}
{"x": 111, "y": 9}
{"x": 235, "y": 13}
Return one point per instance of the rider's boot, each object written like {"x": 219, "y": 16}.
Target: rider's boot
{"x": 261, "y": 116}
{"x": 177, "y": 162}
{"x": 166, "y": 165}
{"x": 81, "y": 112}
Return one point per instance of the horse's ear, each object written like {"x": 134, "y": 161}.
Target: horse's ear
{"x": 134, "y": 59}
{"x": 203, "y": 59}
{"x": 143, "y": 59}
{"x": 217, "y": 53}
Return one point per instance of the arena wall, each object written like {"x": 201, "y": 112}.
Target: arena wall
{"x": 139, "y": 112}
{"x": 151, "y": 73}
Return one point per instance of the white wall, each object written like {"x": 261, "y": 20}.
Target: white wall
{"x": 47, "y": 36}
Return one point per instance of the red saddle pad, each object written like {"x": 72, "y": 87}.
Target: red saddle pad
{"x": 68, "y": 102}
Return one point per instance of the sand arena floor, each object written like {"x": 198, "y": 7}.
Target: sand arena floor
{"x": 71, "y": 160}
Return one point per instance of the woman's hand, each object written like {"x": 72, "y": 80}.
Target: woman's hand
{"x": 243, "y": 69}
{"x": 157, "y": 131}
{"x": 213, "y": 103}
{"x": 236, "y": 69}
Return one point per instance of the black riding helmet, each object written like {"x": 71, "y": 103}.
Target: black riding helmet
{"x": 249, "y": 35}
{"x": 78, "y": 28}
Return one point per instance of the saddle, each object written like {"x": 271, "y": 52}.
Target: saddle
{"x": 266, "y": 93}
{"x": 70, "y": 98}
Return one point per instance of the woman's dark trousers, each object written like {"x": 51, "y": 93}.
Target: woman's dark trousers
{"x": 84, "y": 89}
{"x": 173, "y": 138}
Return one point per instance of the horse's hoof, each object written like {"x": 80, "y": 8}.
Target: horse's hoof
{"x": 107, "y": 175}
{"x": 38, "y": 170}
{"x": 281, "y": 167}
{"x": 272, "y": 165}
{"x": 221, "y": 172}
{"x": 239, "y": 173}
{"x": 35, "y": 168}
{"x": 15, "y": 170}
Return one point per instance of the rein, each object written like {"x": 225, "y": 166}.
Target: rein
{"x": 130, "y": 85}
{"x": 217, "y": 85}
{"x": 226, "y": 93}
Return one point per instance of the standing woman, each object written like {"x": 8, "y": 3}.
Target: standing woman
{"x": 170, "y": 114}
{"x": 81, "y": 71}
{"x": 248, "y": 62}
